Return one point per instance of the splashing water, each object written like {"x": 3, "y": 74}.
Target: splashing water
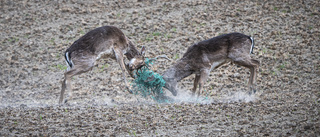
{"x": 148, "y": 83}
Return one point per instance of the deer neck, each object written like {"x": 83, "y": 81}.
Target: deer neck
{"x": 131, "y": 51}
{"x": 178, "y": 71}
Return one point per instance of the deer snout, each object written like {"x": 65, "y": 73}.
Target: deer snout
{"x": 170, "y": 85}
{"x": 131, "y": 67}
{"x": 136, "y": 64}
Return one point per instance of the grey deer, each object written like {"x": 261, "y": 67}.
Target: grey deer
{"x": 82, "y": 54}
{"x": 203, "y": 57}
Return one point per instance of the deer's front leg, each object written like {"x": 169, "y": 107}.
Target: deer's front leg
{"x": 195, "y": 84}
{"x": 119, "y": 57}
{"x": 202, "y": 80}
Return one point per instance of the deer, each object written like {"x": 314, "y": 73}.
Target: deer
{"x": 203, "y": 57}
{"x": 107, "y": 41}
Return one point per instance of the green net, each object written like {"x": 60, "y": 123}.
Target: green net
{"x": 148, "y": 83}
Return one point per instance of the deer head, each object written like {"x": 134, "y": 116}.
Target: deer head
{"x": 137, "y": 61}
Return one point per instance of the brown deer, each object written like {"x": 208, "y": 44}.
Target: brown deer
{"x": 207, "y": 55}
{"x": 82, "y": 54}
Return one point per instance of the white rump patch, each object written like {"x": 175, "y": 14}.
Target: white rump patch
{"x": 68, "y": 60}
{"x": 252, "y": 45}
{"x": 68, "y": 68}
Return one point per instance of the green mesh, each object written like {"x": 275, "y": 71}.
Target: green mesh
{"x": 148, "y": 83}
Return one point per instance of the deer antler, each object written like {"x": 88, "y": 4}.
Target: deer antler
{"x": 161, "y": 56}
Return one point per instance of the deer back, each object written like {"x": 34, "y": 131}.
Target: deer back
{"x": 98, "y": 40}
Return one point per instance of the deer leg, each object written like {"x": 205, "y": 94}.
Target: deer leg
{"x": 195, "y": 84}
{"x": 119, "y": 57}
{"x": 66, "y": 83}
{"x": 63, "y": 89}
{"x": 253, "y": 66}
{"x": 203, "y": 78}
{"x": 253, "y": 74}
{"x": 257, "y": 64}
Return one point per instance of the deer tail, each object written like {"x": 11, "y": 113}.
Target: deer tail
{"x": 252, "y": 45}
{"x": 68, "y": 61}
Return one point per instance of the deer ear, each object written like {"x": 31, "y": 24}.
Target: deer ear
{"x": 143, "y": 50}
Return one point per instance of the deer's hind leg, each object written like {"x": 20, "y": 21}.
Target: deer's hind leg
{"x": 253, "y": 65}
{"x": 78, "y": 68}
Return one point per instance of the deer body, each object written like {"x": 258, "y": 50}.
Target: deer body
{"x": 203, "y": 57}
{"x": 83, "y": 53}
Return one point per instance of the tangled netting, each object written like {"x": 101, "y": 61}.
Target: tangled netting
{"x": 148, "y": 83}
